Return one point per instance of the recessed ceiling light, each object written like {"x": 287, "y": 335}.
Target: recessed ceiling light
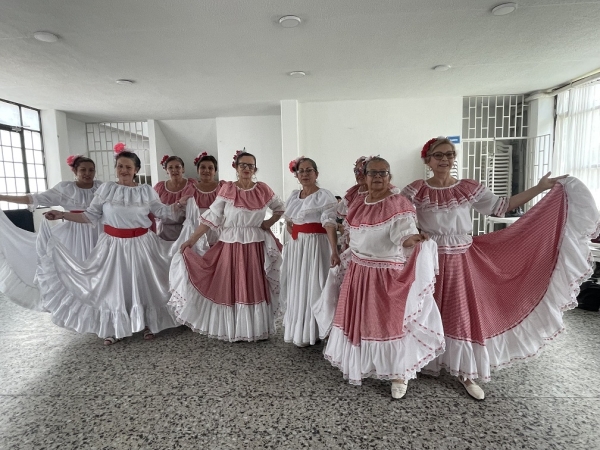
{"x": 504, "y": 9}
{"x": 123, "y": 81}
{"x": 297, "y": 74}
{"x": 290, "y": 21}
{"x": 441, "y": 68}
{"x": 45, "y": 36}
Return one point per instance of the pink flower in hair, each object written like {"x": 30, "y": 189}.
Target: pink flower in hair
{"x": 119, "y": 147}
{"x": 236, "y": 156}
{"x": 163, "y": 161}
{"x": 427, "y": 146}
{"x": 293, "y": 166}
{"x": 199, "y": 157}
{"x": 71, "y": 160}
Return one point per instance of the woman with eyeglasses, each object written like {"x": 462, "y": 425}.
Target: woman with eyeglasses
{"x": 501, "y": 295}
{"x": 382, "y": 321}
{"x": 232, "y": 291}
{"x": 310, "y": 214}
{"x": 170, "y": 192}
{"x": 19, "y": 248}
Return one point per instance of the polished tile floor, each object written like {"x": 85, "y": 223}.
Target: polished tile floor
{"x": 60, "y": 390}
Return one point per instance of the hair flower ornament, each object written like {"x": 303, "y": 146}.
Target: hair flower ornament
{"x": 119, "y": 148}
{"x": 236, "y": 156}
{"x": 163, "y": 161}
{"x": 71, "y": 160}
{"x": 427, "y": 146}
{"x": 199, "y": 157}
{"x": 293, "y": 165}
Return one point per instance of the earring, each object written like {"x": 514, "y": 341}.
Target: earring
{"x": 254, "y": 178}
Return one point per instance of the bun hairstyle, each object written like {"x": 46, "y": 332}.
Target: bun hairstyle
{"x": 239, "y": 154}
{"x": 431, "y": 144}
{"x": 123, "y": 152}
{"x": 164, "y": 162}
{"x": 205, "y": 157}
{"x": 74, "y": 161}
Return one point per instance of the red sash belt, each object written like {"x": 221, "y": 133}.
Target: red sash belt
{"x": 125, "y": 232}
{"x": 77, "y": 211}
{"x": 308, "y": 228}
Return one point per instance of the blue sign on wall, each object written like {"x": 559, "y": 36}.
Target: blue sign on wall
{"x": 454, "y": 139}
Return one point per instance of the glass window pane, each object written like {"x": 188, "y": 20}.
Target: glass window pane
{"x": 9, "y": 114}
{"x": 39, "y": 172}
{"x": 1, "y": 169}
{"x": 15, "y": 139}
{"x": 37, "y": 141}
{"x": 6, "y": 153}
{"x": 29, "y": 155}
{"x": 30, "y": 170}
{"x": 10, "y": 169}
{"x": 38, "y": 157}
{"x": 33, "y": 184}
{"x": 4, "y": 137}
{"x": 31, "y": 119}
{"x": 21, "y": 189}
{"x": 41, "y": 184}
{"x": 27, "y": 136}
{"x": 17, "y": 155}
{"x": 11, "y": 186}
{"x": 19, "y": 171}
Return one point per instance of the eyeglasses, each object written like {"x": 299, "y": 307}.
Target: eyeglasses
{"x": 439, "y": 155}
{"x": 381, "y": 173}
{"x": 308, "y": 171}
{"x": 247, "y": 166}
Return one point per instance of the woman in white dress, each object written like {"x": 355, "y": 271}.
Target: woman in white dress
{"x": 501, "y": 295}
{"x": 204, "y": 193}
{"x": 122, "y": 288}
{"x": 18, "y": 254}
{"x": 310, "y": 215}
{"x": 232, "y": 292}
{"x": 383, "y": 321}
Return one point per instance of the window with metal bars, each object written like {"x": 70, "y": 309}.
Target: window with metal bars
{"x": 22, "y": 164}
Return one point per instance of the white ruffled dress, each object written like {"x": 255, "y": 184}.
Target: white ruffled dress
{"x": 378, "y": 306}
{"x": 122, "y": 287}
{"x": 502, "y": 295}
{"x": 19, "y": 248}
{"x": 232, "y": 291}
{"x": 306, "y": 262}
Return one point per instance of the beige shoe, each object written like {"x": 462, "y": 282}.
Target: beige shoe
{"x": 399, "y": 389}
{"x": 473, "y": 389}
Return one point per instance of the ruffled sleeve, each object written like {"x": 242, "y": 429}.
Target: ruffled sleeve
{"x": 276, "y": 205}
{"x": 489, "y": 203}
{"x": 214, "y": 216}
{"x": 329, "y": 213}
{"x": 51, "y": 197}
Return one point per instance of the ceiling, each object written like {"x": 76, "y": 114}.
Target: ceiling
{"x": 211, "y": 58}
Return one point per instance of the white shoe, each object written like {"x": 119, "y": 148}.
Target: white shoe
{"x": 473, "y": 389}
{"x": 399, "y": 389}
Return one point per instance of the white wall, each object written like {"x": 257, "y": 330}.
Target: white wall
{"x": 261, "y": 135}
{"x": 77, "y": 137}
{"x": 188, "y": 138}
{"x": 335, "y": 134}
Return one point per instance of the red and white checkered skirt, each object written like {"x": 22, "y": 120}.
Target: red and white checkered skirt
{"x": 386, "y": 323}
{"x": 231, "y": 293}
{"x": 502, "y": 300}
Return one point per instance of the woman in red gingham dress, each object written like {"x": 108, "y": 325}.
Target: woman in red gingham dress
{"x": 501, "y": 295}
{"x": 382, "y": 321}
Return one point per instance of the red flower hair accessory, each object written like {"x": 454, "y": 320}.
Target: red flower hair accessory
{"x": 71, "y": 160}
{"x": 427, "y": 146}
{"x": 163, "y": 161}
{"x": 293, "y": 165}
{"x": 199, "y": 157}
{"x": 236, "y": 156}
{"x": 119, "y": 148}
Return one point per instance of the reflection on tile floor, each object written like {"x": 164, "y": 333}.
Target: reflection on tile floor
{"x": 60, "y": 390}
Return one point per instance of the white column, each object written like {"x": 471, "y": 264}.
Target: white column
{"x": 290, "y": 143}
{"x": 158, "y": 146}
{"x": 56, "y": 146}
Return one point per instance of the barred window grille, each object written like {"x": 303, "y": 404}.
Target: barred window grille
{"x": 22, "y": 160}
{"x": 101, "y": 139}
